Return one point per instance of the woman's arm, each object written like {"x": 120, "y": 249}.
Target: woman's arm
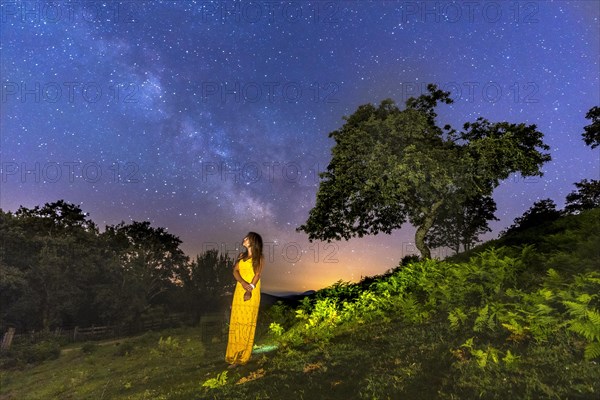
{"x": 258, "y": 271}
{"x": 238, "y": 276}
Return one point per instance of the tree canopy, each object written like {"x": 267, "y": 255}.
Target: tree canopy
{"x": 542, "y": 212}
{"x": 208, "y": 283}
{"x": 391, "y": 166}
{"x": 591, "y": 132}
{"x": 47, "y": 264}
{"x": 586, "y": 197}
{"x": 57, "y": 269}
{"x": 150, "y": 262}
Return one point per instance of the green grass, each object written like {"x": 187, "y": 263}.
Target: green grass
{"x": 144, "y": 369}
{"x": 378, "y": 360}
{"x": 513, "y": 323}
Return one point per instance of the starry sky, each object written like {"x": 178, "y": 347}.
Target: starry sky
{"x": 211, "y": 118}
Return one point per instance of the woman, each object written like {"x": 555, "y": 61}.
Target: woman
{"x": 246, "y": 300}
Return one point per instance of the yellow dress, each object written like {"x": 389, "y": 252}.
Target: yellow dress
{"x": 242, "y": 323}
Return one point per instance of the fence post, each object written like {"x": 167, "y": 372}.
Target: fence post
{"x": 7, "y": 339}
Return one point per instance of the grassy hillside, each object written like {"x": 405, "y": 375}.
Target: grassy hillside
{"x": 516, "y": 318}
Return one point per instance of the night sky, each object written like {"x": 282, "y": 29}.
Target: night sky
{"x": 211, "y": 119}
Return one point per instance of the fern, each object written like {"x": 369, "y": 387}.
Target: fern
{"x": 485, "y": 319}
{"x": 517, "y": 331}
{"x": 213, "y": 383}
{"x": 586, "y": 329}
{"x": 410, "y": 309}
{"x": 577, "y": 310}
{"x": 554, "y": 279}
{"x": 592, "y": 351}
{"x": 481, "y": 356}
{"x": 511, "y": 360}
{"x": 594, "y": 317}
{"x": 457, "y": 317}
{"x": 586, "y": 323}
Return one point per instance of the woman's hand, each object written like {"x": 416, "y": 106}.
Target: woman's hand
{"x": 247, "y": 295}
{"x": 247, "y": 286}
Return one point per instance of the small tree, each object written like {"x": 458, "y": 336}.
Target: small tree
{"x": 591, "y": 133}
{"x": 586, "y": 197}
{"x": 462, "y": 226}
{"x": 209, "y": 278}
{"x": 541, "y": 212}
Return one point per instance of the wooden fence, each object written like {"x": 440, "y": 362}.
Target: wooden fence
{"x": 77, "y": 334}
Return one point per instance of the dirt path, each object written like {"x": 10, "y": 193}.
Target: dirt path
{"x": 102, "y": 343}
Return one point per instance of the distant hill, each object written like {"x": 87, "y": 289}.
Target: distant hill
{"x": 267, "y": 299}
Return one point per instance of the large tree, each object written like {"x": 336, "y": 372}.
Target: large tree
{"x": 48, "y": 261}
{"x": 390, "y": 166}
{"x": 56, "y": 269}
{"x": 151, "y": 263}
{"x": 212, "y": 274}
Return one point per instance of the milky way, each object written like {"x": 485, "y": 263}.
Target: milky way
{"x": 211, "y": 119}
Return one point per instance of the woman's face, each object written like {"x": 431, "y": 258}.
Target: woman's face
{"x": 246, "y": 242}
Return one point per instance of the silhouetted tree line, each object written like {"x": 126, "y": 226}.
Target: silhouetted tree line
{"x": 586, "y": 196}
{"x": 57, "y": 269}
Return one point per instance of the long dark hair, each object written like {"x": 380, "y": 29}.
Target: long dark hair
{"x": 256, "y": 243}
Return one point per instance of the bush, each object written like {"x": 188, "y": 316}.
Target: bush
{"x": 281, "y": 314}
{"x": 11, "y": 359}
{"x": 42, "y": 351}
{"x": 89, "y": 347}
{"x": 124, "y": 349}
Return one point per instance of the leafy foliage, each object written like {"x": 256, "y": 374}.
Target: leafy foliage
{"x": 217, "y": 382}
{"x": 390, "y": 166}
{"x": 586, "y": 320}
{"x": 492, "y": 300}
{"x": 57, "y": 269}
{"x": 48, "y": 265}
{"x": 206, "y": 282}
{"x": 586, "y": 197}
{"x": 542, "y": 212}
{"x": 505, "y": 322}
{"x": 591, "y": 133}
{"x": 150, "y": 259}
{"x": 459, "y": 228}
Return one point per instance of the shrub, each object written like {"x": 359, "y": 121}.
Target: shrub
{"x": 124, "y": 349}
{"x": 281, "y": 314}
{"x": 89, "y": 347}
{"x": 41, "y": 351}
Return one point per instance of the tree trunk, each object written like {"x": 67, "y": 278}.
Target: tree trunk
{"x": 456, "y": 249}
{"x": 424, "y": 228}
{"x": 45, "y": 316}
{"x": 45, "y": 310}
